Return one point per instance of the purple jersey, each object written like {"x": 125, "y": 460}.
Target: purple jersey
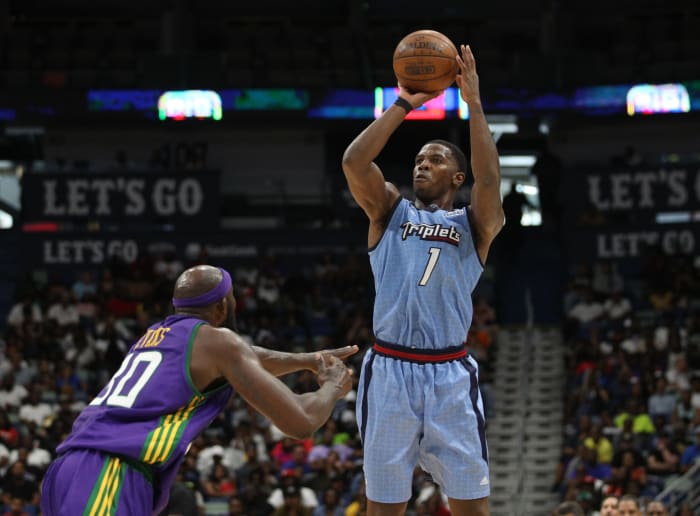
{"x": 150, "y": 410}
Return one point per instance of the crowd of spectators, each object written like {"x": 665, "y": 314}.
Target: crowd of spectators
{"x": 632, "y": 403}
{"x": 68, "y": 333}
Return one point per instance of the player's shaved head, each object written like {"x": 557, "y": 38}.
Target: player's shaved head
{"x": 197, "y": 280}
{"x": 214, "y": 285}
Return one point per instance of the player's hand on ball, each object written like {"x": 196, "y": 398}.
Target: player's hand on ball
{"x": 341, "y": 353}
{"x": 417, "y": 98}
{"x": 332, "y": 369}
{"x": 467, "y": 79}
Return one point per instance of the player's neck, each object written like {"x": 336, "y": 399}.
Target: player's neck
{"x": 199, "y": 314}
{"x": 442, "y": 204}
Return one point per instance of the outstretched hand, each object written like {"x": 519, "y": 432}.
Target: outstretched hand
{"x": 467, "y": 79}
{"x": 341, "y": 353}
{"x": 332, "y": 369}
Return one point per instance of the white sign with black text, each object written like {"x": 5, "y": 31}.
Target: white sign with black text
{"x": 119, "y": 197}
{"x": 673, "y": 188}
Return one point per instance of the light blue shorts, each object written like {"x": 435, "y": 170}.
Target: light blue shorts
{"x": 427, "y": 414}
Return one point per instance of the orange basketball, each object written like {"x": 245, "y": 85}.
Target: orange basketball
{"x": 425, "y": 61}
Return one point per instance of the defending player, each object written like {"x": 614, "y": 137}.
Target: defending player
{"x": 126, "y": 446}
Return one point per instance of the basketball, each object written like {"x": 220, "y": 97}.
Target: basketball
{"x": 425, "y": 61}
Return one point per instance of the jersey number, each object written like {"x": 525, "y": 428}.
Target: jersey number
{"x": 432, "y": 262}
{"x": 114, "y": 392}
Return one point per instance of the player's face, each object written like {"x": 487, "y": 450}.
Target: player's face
{"x": 609, "y": 507}
{"x": 433, "y": 171}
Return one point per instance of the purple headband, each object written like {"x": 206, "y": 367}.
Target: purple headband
{"x": 215, "y": 294}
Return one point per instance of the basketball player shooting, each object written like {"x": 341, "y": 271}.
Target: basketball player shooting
{"x": 418, "y": 401}
{"x": 126, "y": 446}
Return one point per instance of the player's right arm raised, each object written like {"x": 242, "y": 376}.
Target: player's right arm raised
{"x": 224, "y": 354}
{"x": 365, "y": 179}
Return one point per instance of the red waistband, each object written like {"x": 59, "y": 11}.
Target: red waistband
{"x": 419, "y": 355}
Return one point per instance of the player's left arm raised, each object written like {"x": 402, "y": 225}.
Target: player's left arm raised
{"x": 486, "y": 211}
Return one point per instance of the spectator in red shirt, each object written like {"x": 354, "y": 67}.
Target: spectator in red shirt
{"x": 8, "y": 433}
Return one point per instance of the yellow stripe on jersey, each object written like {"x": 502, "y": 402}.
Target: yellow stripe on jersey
{"x": 177, "y": 428}
{"x": 110, "y": 474}
{"x": 154, "y": 438}
{"x": 109, "y": 507}
{"x": 163, "y": 438}
{"x": 97, "y": 503}
{"x": 165, "y": 432}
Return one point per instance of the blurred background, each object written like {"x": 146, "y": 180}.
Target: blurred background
{"x": 137, "y": 139}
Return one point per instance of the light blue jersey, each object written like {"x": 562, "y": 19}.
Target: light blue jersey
{"x": 418, "y": 400}
{"x": 424, "y": 260}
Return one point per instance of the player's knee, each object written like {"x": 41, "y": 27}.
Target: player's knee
{"x": 478, "y": 507}
{"x": 385, "y": 509}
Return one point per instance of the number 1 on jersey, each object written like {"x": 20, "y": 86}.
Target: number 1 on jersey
{"x": 432, "y": 262}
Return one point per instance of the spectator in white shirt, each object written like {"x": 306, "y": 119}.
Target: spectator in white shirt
{"x": 64, "y": 312}
{"x": 617, "y": 307}
{"x": 38, "y": 457}
{"x": 289, "y": 478}
{"x": 4, "y": 459}
{"x": 34, "y": 410}
{"x": 662, "y": 402}
{"x": 31, "y": 454}
{"x": 633, "y": 341}
{"x": 695, "y": 392}
{"x": 24, "y": 370}
{"x": 12, "y": 362}
{"x": 168, "y": 266}
{"x": 677, "y": 373}
{"x": 231, "y": 458}
{"x": 11, "y": 394}
{"x": 79, "y": 349}
{"x": 606, "y": 278}
{"x": 27, "y": 309}
{"x": 584, "y": 315}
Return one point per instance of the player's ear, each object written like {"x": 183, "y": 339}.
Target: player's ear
{"x": 221, "y": 307}
{"x": 458, "y": 179}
